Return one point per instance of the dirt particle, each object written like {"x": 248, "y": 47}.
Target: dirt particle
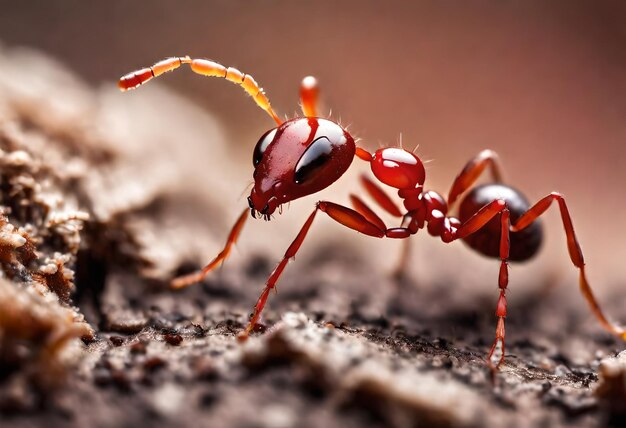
{"x": 116, "y": 340}
{"x": 168, "y": 399}
{"x": 611, "y": 390}
{"x": 173, "y": 339}
{"x": 208, "y": 399}
{"x": 154, "y": 363}
{"x": 204, "y": 368}
{"x": 138, "y": 347}
{"x": 126, "y": 322}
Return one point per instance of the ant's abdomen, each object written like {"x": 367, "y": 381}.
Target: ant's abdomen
{"x": 524, "y": 244}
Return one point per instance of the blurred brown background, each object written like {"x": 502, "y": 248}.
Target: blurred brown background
{"x": 542, "y": 83}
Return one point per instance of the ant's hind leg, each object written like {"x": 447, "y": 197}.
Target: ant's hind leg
{"x": 575, "y": 253}
{"x": 471, "y": 172}
{"x": 192, "y": 278}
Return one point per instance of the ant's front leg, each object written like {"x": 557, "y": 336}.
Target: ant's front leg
{"x": 343, "y": 215}
{"x": 192, "y": 278}
{"x": 275, "y": 275}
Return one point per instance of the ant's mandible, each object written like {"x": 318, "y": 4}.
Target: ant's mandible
{"x": 304, "y": 155}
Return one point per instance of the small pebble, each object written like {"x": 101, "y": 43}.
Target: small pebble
{"x": 116, "y": 340}
{"x": 168, "y": 400}
{"x": 204, "y": 368}
{"x": 138, "y": 348}
{"x": 173, "y": 339}
{"x": 154, "y": 363}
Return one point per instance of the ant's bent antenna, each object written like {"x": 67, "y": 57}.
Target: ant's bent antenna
{"x": 203, "y": 67}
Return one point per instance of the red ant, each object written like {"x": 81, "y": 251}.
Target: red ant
{"x": 304, "y": 155}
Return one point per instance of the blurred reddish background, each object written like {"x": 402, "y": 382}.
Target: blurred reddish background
{"x": 542, "y": 83}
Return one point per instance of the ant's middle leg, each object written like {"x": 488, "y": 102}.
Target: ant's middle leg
{"x": 381, "y": 198}
{"x": 385, "y": 202}
{"x": 473, "y": 224}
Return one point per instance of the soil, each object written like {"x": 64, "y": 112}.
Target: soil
{"x": 342, "y": 343}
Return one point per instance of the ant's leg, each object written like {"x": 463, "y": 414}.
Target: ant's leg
{"x": 358, "y": 222}
{"x": 575, "y": 253}
{"x": 475, "y": 223}
{"x": 339, "y": 213}
{"x": 275, "y": 275}
{"x": 400, "y": 269}
{"x": 496, "y": 354}
{"x": 380, "y": 197}
{"x": 192, "y": 278}
{"x": 388, "y": 205}
{"x": 366, "y": 212}
{"x": 399, "y": 272}
{"x": 203, "y": 67}
{"x": 309, "y": 94}
{"x": 472, "y": 171}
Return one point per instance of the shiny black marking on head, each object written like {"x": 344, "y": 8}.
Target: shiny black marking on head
{"x": 315, "y": 156}
{"x": 262, "y": 145}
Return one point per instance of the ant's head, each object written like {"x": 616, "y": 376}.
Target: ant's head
{"x": 300, "y": 157}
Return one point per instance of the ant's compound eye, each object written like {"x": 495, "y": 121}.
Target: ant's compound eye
{"x": 261, "y": 146}
{"x": 314, "y": 158}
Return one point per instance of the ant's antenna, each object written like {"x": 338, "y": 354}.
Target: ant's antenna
{"x": 205, "y": 68}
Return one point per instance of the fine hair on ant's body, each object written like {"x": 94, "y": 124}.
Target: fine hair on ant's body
{"x": 304, "y": 155}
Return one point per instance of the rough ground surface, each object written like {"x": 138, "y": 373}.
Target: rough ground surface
{"x": 344, "y": 345}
